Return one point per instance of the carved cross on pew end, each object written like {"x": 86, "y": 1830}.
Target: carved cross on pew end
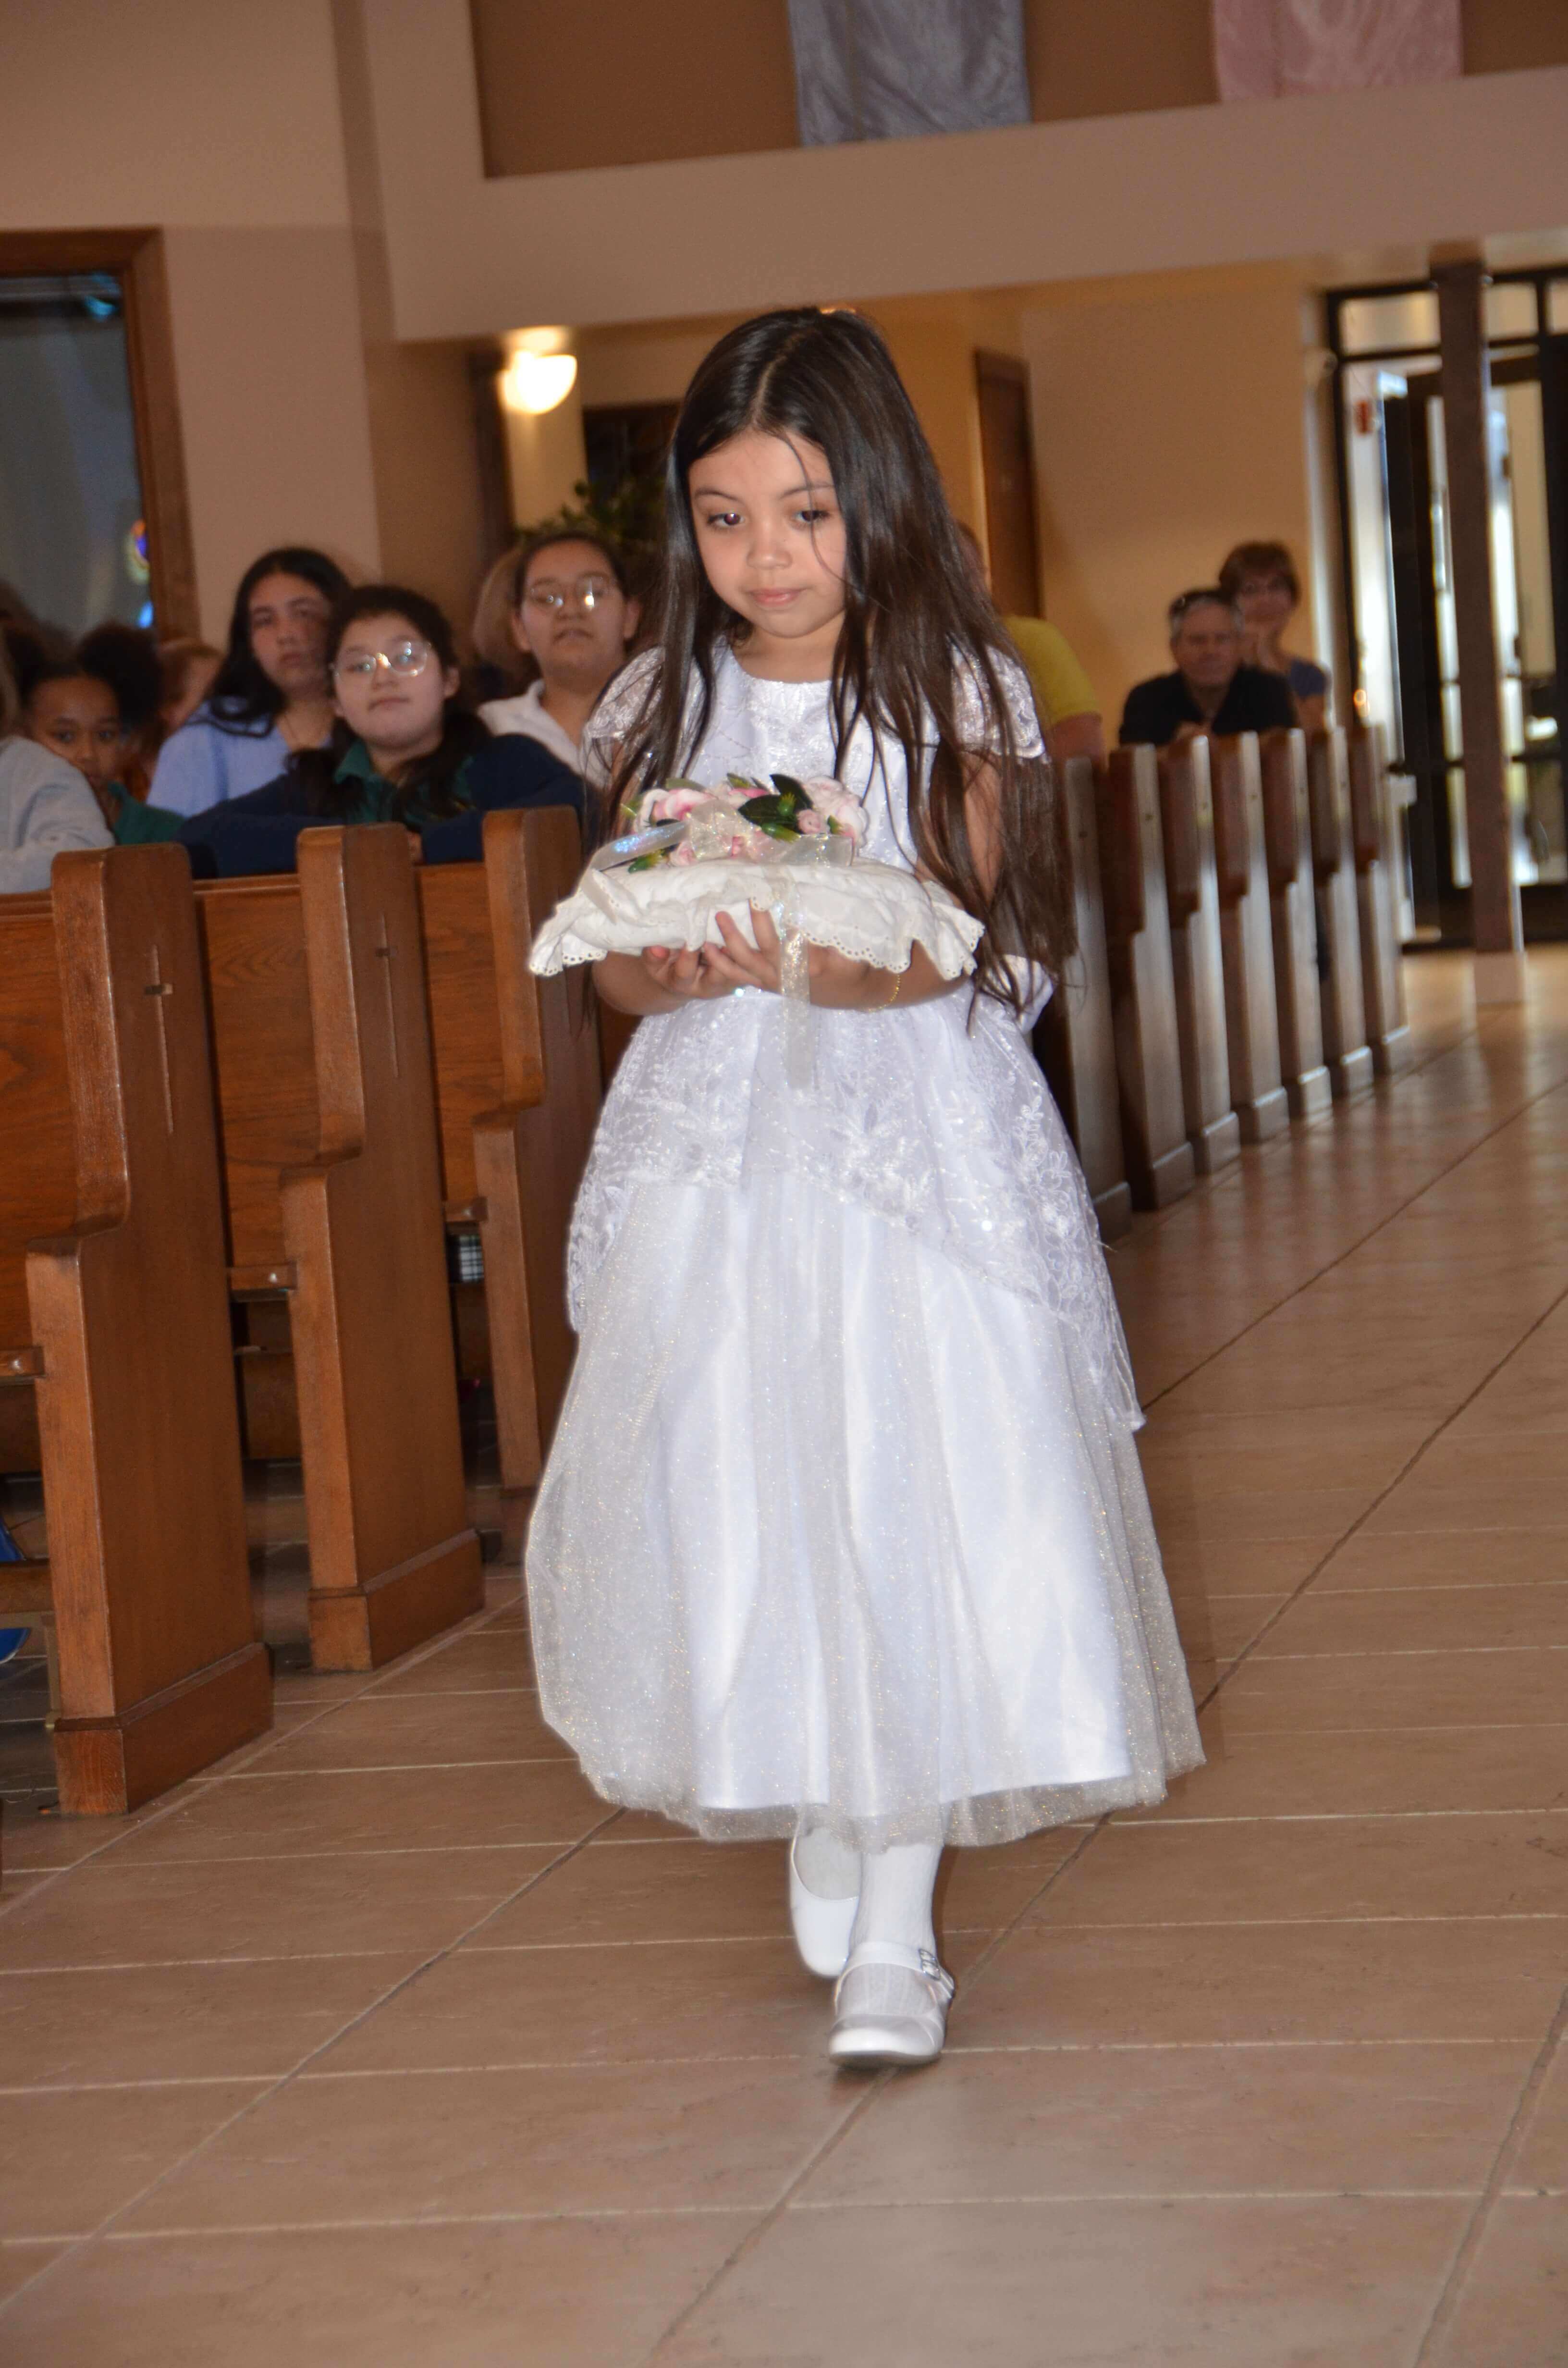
{"x": 386, "y": 952}
{"x": 159, "y": 987}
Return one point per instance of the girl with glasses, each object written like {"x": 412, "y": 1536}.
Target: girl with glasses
{"x": 403, "y": 748}
{"x": 573, "y": 616}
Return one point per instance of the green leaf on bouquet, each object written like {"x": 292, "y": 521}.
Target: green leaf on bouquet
{"x": 776, "y": 815}
{"x": 647, "y": 863}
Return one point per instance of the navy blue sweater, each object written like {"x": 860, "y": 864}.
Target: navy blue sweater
{"x": 258, "y": 833}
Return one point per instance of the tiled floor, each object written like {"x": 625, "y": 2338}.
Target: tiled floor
{"x": 388, "y": 2044}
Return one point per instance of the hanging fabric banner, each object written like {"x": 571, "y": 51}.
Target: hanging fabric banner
{"x": 896, "y": 69}
{"x": 1282, "y": 49}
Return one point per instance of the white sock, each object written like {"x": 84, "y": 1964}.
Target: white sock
{"x": 826, "y": 1866}
{"x": 896, "y": 1895}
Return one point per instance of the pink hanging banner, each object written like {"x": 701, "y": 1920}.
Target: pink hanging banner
{"x": 1280, "y": 48}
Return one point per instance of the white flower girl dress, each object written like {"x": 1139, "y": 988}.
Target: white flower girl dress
{"x": 843, "y": 1524}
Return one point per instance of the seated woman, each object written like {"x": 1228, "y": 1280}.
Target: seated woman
{"x": 572, "y": 615}
{"x": 45, "y": 808}
{"x": 76, "y": 712}
{"x": 1261, "y": 578}
{"x": 404, "y": 749}
{"x": 270, "y": 697}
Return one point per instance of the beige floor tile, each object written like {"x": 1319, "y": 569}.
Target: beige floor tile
{"x": 1542, "y": 2158}
{"x": 1512, "y": 1686}
{"x": 615, "y": 1893}
{"x": 1258, "y": 1774}
{"x": 1513, "y": 2310}
{"x": 569, "y": 2293}
{"x": 983, "y": 1890}
{"x": 427, "y": 1808}
{"x": 33, "y": 1842}
{"x": 1292, "y": 2285}
{"x": 402, "y": 1731}
{"x": 1179, "y": 2121}
{"x": 494, "y": 1657}
{"x": 1471, "y": 1558}
{"x": 274, "y": 1908}
{"x": 596, "y": 2005}
{"x": 639, "y": 2005}
{"x": 1422, "y": 1505}
{"x": 1154, "y": 1872}
{"x": 1245, "y": 1566}
{"x": 21, "y": 2260}
{"x": 1051, "y": 1987}
{"x": 1253, "y": 1518}
{"x": 1216, "y": 1628}
{"x": 679, "y": 2137}
{"x": 69, "y": 2158}
{"x": 185, "y": 2022}
{"x": 1370, "y": 1620}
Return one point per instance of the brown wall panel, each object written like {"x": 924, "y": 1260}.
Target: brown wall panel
{"x": 562, "y": 89}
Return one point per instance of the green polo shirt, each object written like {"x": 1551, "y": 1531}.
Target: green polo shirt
{"x": 377, "y": 800}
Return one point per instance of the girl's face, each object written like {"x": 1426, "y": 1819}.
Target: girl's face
{"x": 79, "y": 719}
{"x": 1265, "y": 602}
{"x": 392, "y": 688}
{"x": 771, "y": 535}
{"x": 573, "y": 617}
{"x": 288, "y": 621}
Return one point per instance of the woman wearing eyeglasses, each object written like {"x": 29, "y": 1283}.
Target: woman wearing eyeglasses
{"x": 1261, "y": 578}
{"x": 403, "y": 748}
{"x": 573, "y": 616}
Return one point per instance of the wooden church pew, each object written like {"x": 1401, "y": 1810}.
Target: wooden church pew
{"x": 1345, "y": 1048}
{"x": 332, "y": 1175}
{"x": 113, "y": 1303}
{"x": 518, "y": 1090}
{"x": 1375, "y": 838}
{"x": 1143, "y": 990}
{"x": 1186, "y": 815}
{"x": 1246, "y": 940}
{"x": 1076, "y": 1038}
{"x": 1282, "y": 758}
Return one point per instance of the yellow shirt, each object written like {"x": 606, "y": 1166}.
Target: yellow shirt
{"x": 1061, "y": 686}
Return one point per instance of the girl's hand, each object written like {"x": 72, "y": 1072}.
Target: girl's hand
{"x": 838, "y": 982}
{"x": 675, "y": 971}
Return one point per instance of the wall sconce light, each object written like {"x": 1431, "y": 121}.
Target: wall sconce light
{"x": 537, "y": 382}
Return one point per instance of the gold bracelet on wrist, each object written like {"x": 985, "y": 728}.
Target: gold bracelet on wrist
{"x": 898, "y": 978}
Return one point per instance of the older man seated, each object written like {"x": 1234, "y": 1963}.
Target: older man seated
{"x": 1210, "y": 688}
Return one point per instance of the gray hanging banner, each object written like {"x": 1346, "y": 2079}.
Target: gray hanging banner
{"x": 898, "y": 69}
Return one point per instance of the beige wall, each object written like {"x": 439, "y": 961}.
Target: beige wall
{"x": 1167, "y": 427}
{"x": 1362, "y": 182}
{"x": 272, "y": 401}
{"x": 564, "y": 89}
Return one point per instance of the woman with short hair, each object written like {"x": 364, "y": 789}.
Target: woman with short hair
{"x": 1261, "y": 578}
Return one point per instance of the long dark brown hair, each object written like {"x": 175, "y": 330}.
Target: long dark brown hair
{"x": 917, "y": 620}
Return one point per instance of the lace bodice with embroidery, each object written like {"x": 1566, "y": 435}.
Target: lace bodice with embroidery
{"x": 937, "y": 1118}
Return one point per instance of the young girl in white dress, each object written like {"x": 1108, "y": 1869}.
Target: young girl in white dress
{"x": 843, "y": 1536}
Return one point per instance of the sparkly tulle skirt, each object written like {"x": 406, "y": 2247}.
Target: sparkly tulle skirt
{"x": 835, "y": 1528}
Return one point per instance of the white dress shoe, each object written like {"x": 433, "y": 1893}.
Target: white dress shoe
{"x": 821, "y": 1927}
{"x": 890, "y": 2005}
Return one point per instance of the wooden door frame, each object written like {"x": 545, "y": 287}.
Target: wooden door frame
{"x": 1013, "y": 370}
{"x": 136, "y": 259}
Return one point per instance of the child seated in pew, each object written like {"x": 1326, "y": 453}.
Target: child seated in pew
{"x": 45, "y": 808}
{"x": 405, "y": 748}
{"x": 76, "y": 712}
